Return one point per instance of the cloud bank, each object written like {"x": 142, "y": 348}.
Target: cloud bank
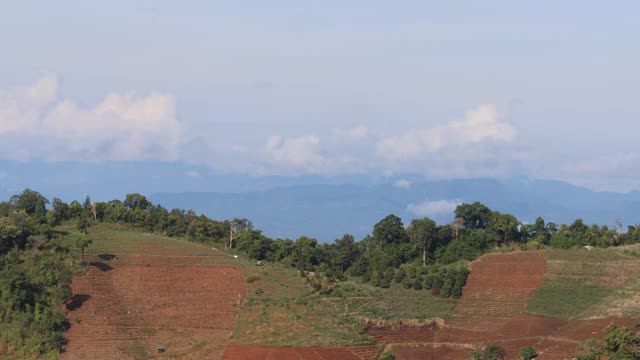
{"x": 36, "y": 123}
{"x": 433, "y": 208}
{"x": 123, "y": 126}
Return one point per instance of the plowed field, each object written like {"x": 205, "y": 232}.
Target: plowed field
{"x": 152, "y": 297}
{"x": 492, "y": 311}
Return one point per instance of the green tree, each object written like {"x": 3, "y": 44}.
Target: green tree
{"x": 528, "y": 353}
{"x": 31, "y": 202}
{"x": 82, "y": 243}
{"x": 84, "y": 223}
{"x": 474, "y": 216}
{"x": 10, "y": 235}
{"x": 389, "y": 230}
{"x": 421, "y": 233}
{"x": 346, "y": 252}
{"x": 505, "y": 226}
{"x": 136, "y": 201}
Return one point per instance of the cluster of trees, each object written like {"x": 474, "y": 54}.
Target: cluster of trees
{"x": 376, "y": 259}
{"x": 617, "y": 343}
{"x": 35, "y": 272}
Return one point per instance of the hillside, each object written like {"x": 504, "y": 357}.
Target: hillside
{"x": 144, "y": 291}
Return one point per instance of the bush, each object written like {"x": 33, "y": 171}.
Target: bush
{"x": 417, "y": 283}
{"x": 445, "y": 291}
{"x": 494, "y": 352}
{"x": 533, "y": 245}
{"x": 407, "y": 283}
{"x": 387, "y": 355}
{"x": 528, "y": 353}
{"x": 401, "y": 275}
{"x": 250, "y": 277}
{"x": 491, "y": 352}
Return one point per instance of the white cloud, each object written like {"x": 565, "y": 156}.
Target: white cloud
{"x": 432, "y": 208}
{"x": 402, "y": 184}
{"x": 121, "y": 127}
{"x": 297, "y": 152}
{"x": 479, "y": 125}
{"x": 192, "y": 173}
{"x": 21, "y": 107}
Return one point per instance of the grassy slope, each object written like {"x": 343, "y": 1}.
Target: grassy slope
{"x": 282, "y": 310}
{"x": 579, "y": 283}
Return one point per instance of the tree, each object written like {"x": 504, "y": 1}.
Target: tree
{"x": 136, "y": 201}
{"x": 236, "y": 227}
{"x": 83, "y": 223}
{"x": 9, "y": 235}
{"x": 505, "y": 225}
{"x": 82, "y": 242}
{"x": 32, "y": 202}
{"x": 389, "y": 230}
{"x": 60, "y": 211}
{"x": 87, "y": 203}
{"x": 346, "y": 252}
{"x": 474, "y": 216}
{"x": 421, "y": 235}
{"x": 457, "y": 224}
{"x": 528, "y": 353}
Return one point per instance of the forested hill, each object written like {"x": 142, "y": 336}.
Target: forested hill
{"x": 328, "y": 211}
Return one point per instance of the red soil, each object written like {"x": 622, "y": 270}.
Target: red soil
{"x": 126, "y": 307}
{"x": 257, "y": 352}
{"x": 491, "y": 311}
{"x": 498, "y": 288}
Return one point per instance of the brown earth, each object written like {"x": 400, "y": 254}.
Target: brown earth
{"x": 128, "y": 305}
{"x": 491, "y": 311}
{"x": 257, "y": 352}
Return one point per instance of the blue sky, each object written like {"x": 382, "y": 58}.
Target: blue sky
{"x": 450, "y": 89}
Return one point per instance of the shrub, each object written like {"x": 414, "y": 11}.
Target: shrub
{"x": 528, "y": 353}
{"x": 250, "y": 277}
{"x": 446, "y": 288}
{"x": 407, "y": 283}
{"x": 534, "y": 245}
{"x": 491, "y": 352}
{"x": 494, "y": 352}
{"x": 401, "y": 274}
{"x": 387, "y": 355}
{"x": 417, "y": 283}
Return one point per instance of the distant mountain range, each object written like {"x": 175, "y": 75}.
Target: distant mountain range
{"x": 319, "y": 206}
{"x": 329, "y": 211}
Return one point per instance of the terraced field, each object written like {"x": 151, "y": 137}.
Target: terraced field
{"x": 498, "y": 289}
{"x": 492, "y": 311}
{"x": 257, "y": 352}
{"x": 161, "y": 298}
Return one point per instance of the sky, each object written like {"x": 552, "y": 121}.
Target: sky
{"x": 447, "y": 90}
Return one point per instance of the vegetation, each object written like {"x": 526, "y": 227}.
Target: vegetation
{"x": 581, "y": 283}
{"x": 617, "y": 343}
{"x": 387, "y": 355}
{"x": 491, "y": 352}
{"x": 528, "y": 353}
{"x": 339, "y": 283}
{"x": 35, "y": 271}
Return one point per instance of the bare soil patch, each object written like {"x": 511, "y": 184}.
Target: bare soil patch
{"x": 257, "y": 352}
{"x": 134, "y": 305}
